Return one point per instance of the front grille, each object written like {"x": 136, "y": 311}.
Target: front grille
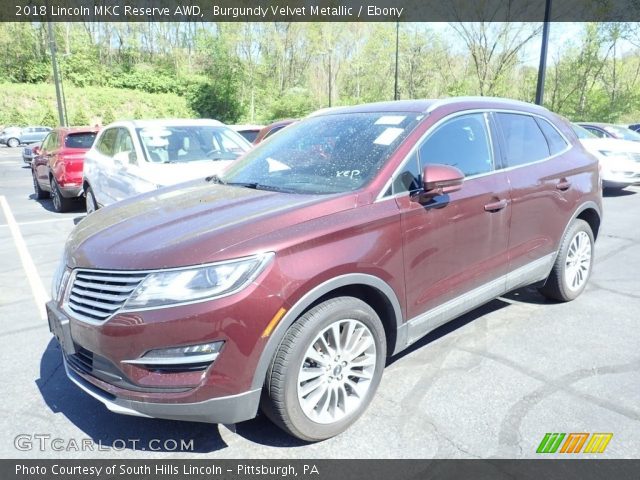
{"x": 82, "y": 360}
{"x": 97, "y": 295}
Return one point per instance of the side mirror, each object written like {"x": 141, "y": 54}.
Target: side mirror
{"x": 441, "y": 180}
{"x": 123, "y": 158}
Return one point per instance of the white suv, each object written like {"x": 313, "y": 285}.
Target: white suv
{"x": 132, "y": 157}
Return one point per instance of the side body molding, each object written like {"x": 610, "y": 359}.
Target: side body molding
{"x": 314, "y": 294}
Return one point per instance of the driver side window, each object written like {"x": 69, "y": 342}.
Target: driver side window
{"x": 462, "y": 142}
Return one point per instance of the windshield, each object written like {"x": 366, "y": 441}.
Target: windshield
{"x": 582, "y": 132}
{"x": 178, "y": 144}
{"x": 80, "y": 140}
{"x": 622, "y": 132}
{"x": 324, "y": 154}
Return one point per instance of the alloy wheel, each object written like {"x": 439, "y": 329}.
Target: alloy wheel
{"x": 55, "y": 196}
{"x": 578, "y": 261}
{"x": 336, "y": 371}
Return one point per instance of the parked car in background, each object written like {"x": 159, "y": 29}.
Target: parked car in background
{"x": 608, "y": 130}
{"x": 16, "y": 136}
{"x": 249, "y": 132}
{"x": 272, "y": 128}
{"x": 57, "y": 169}
{"x": 290, "y": 278}
{"x": 635, "y": 127}
{"x": 30, "y": 151}
{"x": 619, "y": 159}
{"x": 133, "y": 157}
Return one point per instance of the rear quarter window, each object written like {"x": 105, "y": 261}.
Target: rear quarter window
{"x": 523, "y": 139}
{"x": 555, "y": 141}
{"x": 107, "y": 142}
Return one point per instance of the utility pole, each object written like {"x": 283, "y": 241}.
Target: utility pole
{"x": 395, "y": 86}
{"x": 56, "y": 77}
{"x": 543, "y": 53}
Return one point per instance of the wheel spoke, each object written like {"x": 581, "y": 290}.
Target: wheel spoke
{"x": 309, "y": 373}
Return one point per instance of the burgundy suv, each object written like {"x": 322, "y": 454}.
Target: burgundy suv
{"x": 289, "y": 279}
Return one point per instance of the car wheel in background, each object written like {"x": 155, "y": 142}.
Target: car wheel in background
{"x": 60, "y": 204}
{"x": 326, "y": 370}
{"x": 572, "y": 268}
{"x": 90, "y": 201}
{"x": 40, "y": 193}
{"x": 13, "y": 142}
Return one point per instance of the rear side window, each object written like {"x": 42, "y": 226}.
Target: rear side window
{"x": 461, "y": 142}
{"x": 555, "y": 141}
{"x": 524, "y": 141}
{"x": 597, "y": 132}
{"x": 107, "y": 142}
{"x": 80, "y": 140}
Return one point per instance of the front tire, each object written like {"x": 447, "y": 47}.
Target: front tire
{"x": 326, "y": 370}
{"x": 573, "y": 266}
{"x": 13, "y": 143}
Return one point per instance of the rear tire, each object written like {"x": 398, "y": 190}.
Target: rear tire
{"x": 13, "y": 143}
{"x": 326, "y": 370}
{"x": 90, "y": 200}
{"x": 40, "y": 193}
{"x": 60, "y": 204}
{"x": 573, "y": 265}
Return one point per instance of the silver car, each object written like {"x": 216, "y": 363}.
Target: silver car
{"x": 15, "y": 136}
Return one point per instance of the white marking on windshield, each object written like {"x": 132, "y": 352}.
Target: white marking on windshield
{"x": 388, "y": 136}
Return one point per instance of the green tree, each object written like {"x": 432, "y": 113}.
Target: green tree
{"x": 108, "y": 117}
{"x": 49, "y": 118}
{"x": 79, "y": 117}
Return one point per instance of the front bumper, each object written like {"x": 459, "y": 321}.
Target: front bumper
{"x": 227, "y": 410}
{"x": 220, "y": 394}
{"x": 71, "y": 191}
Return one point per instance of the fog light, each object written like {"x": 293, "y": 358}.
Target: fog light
{"x": 203, "y": 353}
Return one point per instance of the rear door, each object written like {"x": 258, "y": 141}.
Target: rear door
{"x": 456, "y": 245}
{"x": 542, "y": 197}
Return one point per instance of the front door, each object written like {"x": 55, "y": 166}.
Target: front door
{"x": 455, "y": 246}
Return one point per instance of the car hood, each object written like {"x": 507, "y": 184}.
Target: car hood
{"x": 627, "y": 153}
{"x": 164, "y": 174}
{"x": 610, "y": 144}
{"x": 189, "y": 224}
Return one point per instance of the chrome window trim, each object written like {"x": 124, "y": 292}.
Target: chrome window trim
{"x": 486, "y": 111}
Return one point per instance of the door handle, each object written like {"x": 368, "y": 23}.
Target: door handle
{"x": 496, "y": 206}
{"x": 563, "y": 184}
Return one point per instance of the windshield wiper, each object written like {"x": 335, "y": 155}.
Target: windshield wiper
{"x": 215, "y": 179}
{"x": 257, "y": 186}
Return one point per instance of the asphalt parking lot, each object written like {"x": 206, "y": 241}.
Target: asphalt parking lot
{"x": 489, "y": 384}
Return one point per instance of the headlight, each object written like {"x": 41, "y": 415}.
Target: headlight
{"x": 610, "y": 154}
{"x": 187, "y": 285}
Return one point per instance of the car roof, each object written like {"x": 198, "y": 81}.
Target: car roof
{"x": 76, "y": 129}
{"x": 164, "y": 122}
{"x": 243, "y": 128}
{"x": 431, "y": 104}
